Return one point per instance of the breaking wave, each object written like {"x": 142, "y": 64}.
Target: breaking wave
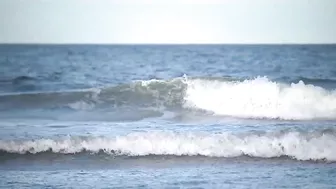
{"x": 258, "y": 98}
{"x": 315, "y": 145}
{"x": 262, "y": 98}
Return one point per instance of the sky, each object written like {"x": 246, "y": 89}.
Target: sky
{"x": 168, "y": 21}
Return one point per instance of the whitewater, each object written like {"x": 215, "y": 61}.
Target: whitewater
{"x": 167, "y": 116}
{"x": 296, "y": 145}
{"x": 262, "y": 98}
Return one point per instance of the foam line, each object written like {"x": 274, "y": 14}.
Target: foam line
{"x": 296, "y": 145}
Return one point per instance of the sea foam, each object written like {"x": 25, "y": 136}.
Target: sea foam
{"x": 261, "y": 98}
{"x": 301, "y": 146}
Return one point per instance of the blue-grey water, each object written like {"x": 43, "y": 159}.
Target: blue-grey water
{"x": 168, "y": 116}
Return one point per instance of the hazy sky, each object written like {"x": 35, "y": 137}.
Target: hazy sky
{"x": 170, "y": 21}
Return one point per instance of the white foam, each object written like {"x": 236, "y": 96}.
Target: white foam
{"x": 261, "y": 98}
{"x": 93, "y": 98}
{"x": 301, "y": 146}
{"x": 81, "y": 105}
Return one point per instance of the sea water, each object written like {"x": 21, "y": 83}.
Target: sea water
{"x": 168, "y": 116}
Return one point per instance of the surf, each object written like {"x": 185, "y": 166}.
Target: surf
{"x": 261, "y": 98}
{"x": 256, "y": 98}
{"x": 298, "y": 145}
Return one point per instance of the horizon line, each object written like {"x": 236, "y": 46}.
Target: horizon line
{"x": 164, "y": 44}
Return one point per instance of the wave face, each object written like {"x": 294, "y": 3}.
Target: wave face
{"x": 257, "y": 98}
{"x": 262, "y": 98}
{"x": 152, "y": 93}
{"x": 297, "y": 145}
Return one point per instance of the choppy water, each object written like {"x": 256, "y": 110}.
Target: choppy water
{"x": 221, "y": 116}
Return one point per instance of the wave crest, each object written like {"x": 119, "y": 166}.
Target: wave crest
{"x": 300, "y": 146}
{"x": 257, "y": 98}
{"x": 261, "y": 98}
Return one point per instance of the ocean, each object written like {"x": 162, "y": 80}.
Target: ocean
{"x": 168, "y": 116}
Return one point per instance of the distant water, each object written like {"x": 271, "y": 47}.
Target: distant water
{"x": 169, "y": 116}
